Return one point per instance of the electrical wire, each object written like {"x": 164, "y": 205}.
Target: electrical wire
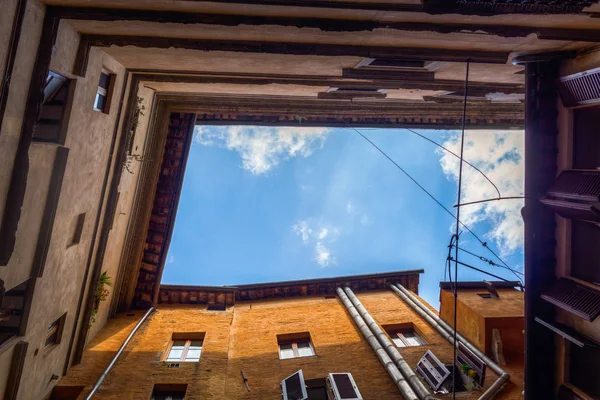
{"x": 486, "y": 200}
{"x": 487, "y": 260}
{"x": 480, "y": 270}
{"x": 460, "y": 169}
{"x": 484, "y": 244}
{"x": 440, "y": 146}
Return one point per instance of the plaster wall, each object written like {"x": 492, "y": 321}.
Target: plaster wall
{"x": 9, "y": 8}
{"x": 469, "y": 323}
{"x": 5, "y": 364}
{"x": 10, "y": 131}
{"x": 88, "y": 138}
{"x": 127, "y": 187}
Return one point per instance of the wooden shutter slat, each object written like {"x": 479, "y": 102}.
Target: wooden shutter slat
{"x": 574, "y": 298}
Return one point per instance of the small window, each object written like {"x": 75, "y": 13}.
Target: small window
{"x": 343, "y": 387}
{"x": 484, "y": 295}
{"x": 404, "y": 335}
{"x": 53, "y": 120}
{"x": 78, "y": 229}
{"x": 185, "y": 348}
{"x": 54, "y": 332}
{"x": 317, "y": 389}
{"x": 294, "y": 387}
{"x": 66, "y": 392}
{"x": 103, "y": 93}
{"x": 169, "y": 392}
{"x": 295, "y": 345}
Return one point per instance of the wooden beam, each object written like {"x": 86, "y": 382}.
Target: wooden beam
{"x": 387, "y": 74}
{"x": 295, "y": 48}
{"x": 323, "y": 23}
{"x": 349, "y": 95}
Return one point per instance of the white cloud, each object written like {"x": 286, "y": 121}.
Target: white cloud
{"x": 261, "y": 148}
{"x": 323, "y": 255}
{"x": 320, "y": 237}
{"x": 170, "y": 259}
{"x": 500, "y": 156}
{"x": 349, "y": 207}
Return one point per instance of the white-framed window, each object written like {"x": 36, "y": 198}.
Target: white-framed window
{"x": 407, "y": 338}
{"x": 290, "y": 347}
{"x": 293, "y": 387}
{"x": 184, "y": 350}
{"x": 434, "y": 372}
{"x": 103, "y": 93}
{"x": 343, "y": 387}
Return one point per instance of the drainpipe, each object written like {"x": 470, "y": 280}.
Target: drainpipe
{"x": 385, "y": 360}
{"x": 415, "y": 382}
{"x": 447, "y": 332}
{"x": 118, "y": 354}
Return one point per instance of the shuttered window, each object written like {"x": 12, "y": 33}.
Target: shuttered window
{"x": 576, "y": 195}
{"x": 434, "y": 372}
{"x": 465, "y": 356}
{"x": 575, "y": 298}
{"x": 293, "y": 387}
{"x": 343, "y": 387}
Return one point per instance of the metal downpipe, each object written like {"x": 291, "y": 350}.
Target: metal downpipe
{"x": 385, "y": 360}
{"x": 118, "y": 354}
{"x": 415, "y": 382}
{"x": 448, "y": 332}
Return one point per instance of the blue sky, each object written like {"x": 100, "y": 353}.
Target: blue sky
{"x": 270, "y": 204}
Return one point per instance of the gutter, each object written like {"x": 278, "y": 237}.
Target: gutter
{"x": 447, "y": 331}
{"x": 118, "y": 354}
{"x": 405, "y": 369}
{"x": 386, "y": 361}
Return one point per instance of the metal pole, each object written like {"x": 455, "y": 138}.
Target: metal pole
{"x": 118, "y": 354}
{"x": 447, "y": 331}
{"x": 405, "y": 369}
{"x": 388, "y": 364}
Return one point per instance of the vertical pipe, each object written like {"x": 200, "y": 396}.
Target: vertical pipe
{"x": 385, "y": 360}
{"x": 116, "y": 357}
{"x": 447, "y": 331}
{"x": 408, "y": 373}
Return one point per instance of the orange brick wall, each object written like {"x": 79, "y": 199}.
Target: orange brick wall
{"x": 244, "y": 338}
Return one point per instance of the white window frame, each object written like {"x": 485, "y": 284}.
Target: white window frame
{"x": 186, "y": 348}
{"x": 399, "y": 334}
{"x": 104, "y": 91}
{"x": 335, "y": 390}
{"x": 302, "y": 386}
{"x": 425, "y": 363}
{"x": 295, "y": 350}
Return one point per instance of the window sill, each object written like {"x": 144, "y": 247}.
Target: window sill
{"x": 299, "y": 358}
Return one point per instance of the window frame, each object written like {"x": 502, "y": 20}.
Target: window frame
{"x": 104, "y": 92}
{"x": 56, "y": 327}
{"x": 302, "y": 385}
{"x": 295, "y": 351}
{"x": 336, "y": 391}
{"x": 399, "y": 334}
{"x": 184, "y": 353}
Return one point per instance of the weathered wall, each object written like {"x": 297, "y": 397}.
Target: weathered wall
{"x": 88, "y": 138}
{"x": 9, "y": 8}
{"x": 127, "y": 186}
{"x": 469, "y": 323}
{"x": 10, "y": 130}
{"x": 246, "y": 335}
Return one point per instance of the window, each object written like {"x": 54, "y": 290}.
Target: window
{"x": 169, "y": 392}
{"x": 53, "y": 121}
{"x": 294, "y": 387}
{"x": 583, "y": 366}
{"x": 78, "y": 229}
{"x": 404, "y": 335}
{"x": 295, "y": 345}
{"x": 103, "y": 94}
{"x": 66, "y": 392}
{"x": 54, "y": 332}
{"x": 434, "y": 372}
{"x": 343, "y": 387}
{"x": 484, "y": 295}
{"x": 185, "y": 348}
{"x": 316, "y": 389}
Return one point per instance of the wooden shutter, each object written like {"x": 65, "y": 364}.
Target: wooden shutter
{"x": 574, "y": 298}
{"x": 576, "y": 195}
{"x": 434, "y": 372}
{"x": 343, "y": 386}
{"x": 466, "y": 356}
{"x": 565, "y": 393}
{"x": 581, "y": 88}
{"x": 294, "y": 387}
